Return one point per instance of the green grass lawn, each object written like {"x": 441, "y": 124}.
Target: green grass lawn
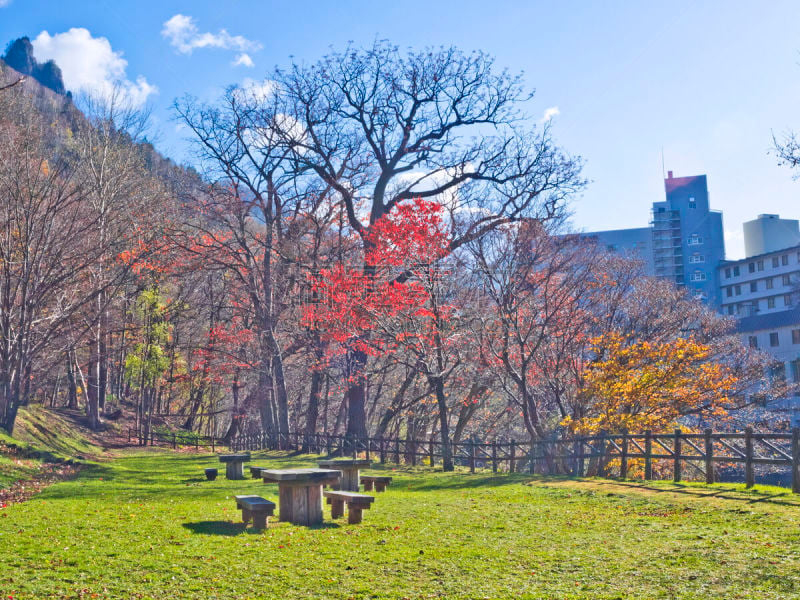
{"x": 147, "y": 525}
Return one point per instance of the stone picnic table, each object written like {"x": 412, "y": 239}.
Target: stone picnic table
{"x": 300, "y": 492}
{"x": 349, "y": 468}
{"x": 234, "y": 464}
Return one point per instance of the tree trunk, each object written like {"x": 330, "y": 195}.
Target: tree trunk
{"x": 72, "y": 386}
{"x": 437, "y": 383}
{"x": 356, "y": 395}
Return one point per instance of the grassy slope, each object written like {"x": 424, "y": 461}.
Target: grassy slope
{"x": 148, "y": 526}
{"x": 41, "y": 436}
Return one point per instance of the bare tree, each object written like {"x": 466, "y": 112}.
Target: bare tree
{"x": 380, "y": 126}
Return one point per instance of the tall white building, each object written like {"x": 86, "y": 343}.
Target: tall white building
{"x": 761, "y": 291}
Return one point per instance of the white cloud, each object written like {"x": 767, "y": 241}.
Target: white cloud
{"x": 549, "y": 113}
{"x": 89, "y": 65}
{"x": 257, "y": 90}
{"x": 243, "y": 60}
{"x": 4, "y": 3}
{"x": 182, "y": 33}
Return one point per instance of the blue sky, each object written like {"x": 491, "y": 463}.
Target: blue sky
{"x": 706, "y": 81}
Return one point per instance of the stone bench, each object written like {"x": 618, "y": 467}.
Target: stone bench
{"x": 211, "y": 474}
{"x": 356, "y": 503}
{"x": 255, "y": 472}
{"x": 255, "y": 507}
{"x": 379, "y": 482}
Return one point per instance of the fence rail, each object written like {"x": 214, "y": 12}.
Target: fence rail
{"x": 648, "y": 455}
{"x": 175, "y": 440}
{"x": 703, "y": 454}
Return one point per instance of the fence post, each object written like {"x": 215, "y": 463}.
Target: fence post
{"x": 577, "y": 449}
{"x": 749, "y": 474}
{"x": 174, "y": 440}
{"x": 471, "y": 455}
{"x": 676, "y": 467}
{"x": 413, "y": 451}
{"x": 623, "y": 459}
{"x": 494, "y": 456}
{"x": 431, "y": 454}
{"x": 709, "y": 450}
{"x": 532, "y": 459}
{"x": 512, "y": 462}
{"x": 601, "y": 461}
{"x": 648, "y": 455}
{"x": 796, "y": 460}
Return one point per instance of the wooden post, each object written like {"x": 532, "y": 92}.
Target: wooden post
{"x": 577, "y": 449}
{"x": 601, "y": 461}
{"x": 749, "y": 474}
{"x": 676, "y": 459}
{"x": 512, "y": 462}
{"x": 431, "y": 453}
{"x": 471, "y": 456}
{"x": 796, "y": 460}
{"x": 709, "y": 456}
{"x": 494, "y": 456}
{"x": 174, "y": 440}
{"x": 623, "y": 459}
{"x": 413, "y": 451}
{"x": 648, "y": 455}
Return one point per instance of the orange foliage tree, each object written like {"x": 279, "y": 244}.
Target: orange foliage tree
{"x": 644, "y": 385}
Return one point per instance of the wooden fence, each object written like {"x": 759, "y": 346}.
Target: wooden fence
{"x": 175, "y": 440}
{"x": 683, "y": 455}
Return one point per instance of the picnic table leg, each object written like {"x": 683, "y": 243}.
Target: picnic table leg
{"x": 314, "y": 504}
{"x": 353, "y": 515}
{"x": 368, "y": 486}
{"x": 285, "y": 502}
{"x": 337, "y": 508}
{"x": 234, "y": 470}
{"x": 245, "y": 515}
{"x": 380, "y": 486}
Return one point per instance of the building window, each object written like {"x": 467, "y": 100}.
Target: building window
{"x": 753, "y": 286}
{"x": 751, "y": 267}
{"x": 775, "y": 262}
{"x": 787, "y": 300}
{"x": 695, "y": 240}
{"x": 773, "y": 339}
{"x": 738, "y": 289}
{"x": 761, "y": 265}
{"x": 796, "y": 370}
{"x": 730, "y": 309}
{"x": 728, "y": 273}
{"x": 769, "y": 283}
{"x": 753, "y": 341}
{"x": 697, "y": 258}
{"x": 784, "y": 259}
{"x": 786, "y": 280}
{"x": 778, "y": 373}
{"x": 735, "y": 271}
{"x": 796, "y": 336}
{"x": 771, "y": 302}
{"x": 697, "y": 276}
{"x": 692, "y": 203}
{"x": 729, "y": 291}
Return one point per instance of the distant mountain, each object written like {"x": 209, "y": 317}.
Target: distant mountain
{"x": 19, "y": 56}
{"x": 44, "y": 89}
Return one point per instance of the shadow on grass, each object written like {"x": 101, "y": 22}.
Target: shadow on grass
{"x": 726, "y": 493}
{"x": 216, "y": 528}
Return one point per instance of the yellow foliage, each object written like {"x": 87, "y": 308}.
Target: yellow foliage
{"x": 637, "y": 386}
